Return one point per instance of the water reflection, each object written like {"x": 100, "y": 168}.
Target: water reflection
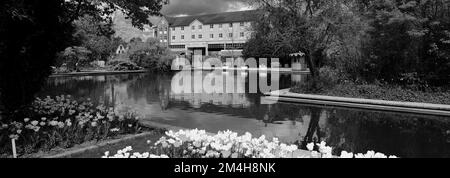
{"x": 153, "y": 96}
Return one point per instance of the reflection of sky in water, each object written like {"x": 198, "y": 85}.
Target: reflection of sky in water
{"x": 354, "y": 130}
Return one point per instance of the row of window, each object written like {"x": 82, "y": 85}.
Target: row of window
{"x": 200, "y": 36}
{"x": 214, "y": 46}
{"x": 200, "y": 27}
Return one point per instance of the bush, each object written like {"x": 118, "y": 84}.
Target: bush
{"x": 151, "y": 55}
{"x": 125, "y": 66}
{"x": 63, "y": 122}
{"x": 328, "y": 77}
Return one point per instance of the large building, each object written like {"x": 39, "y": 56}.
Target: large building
{"x": 206, "y": 35}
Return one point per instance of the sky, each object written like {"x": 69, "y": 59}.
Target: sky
{"x": 198, "y": 7}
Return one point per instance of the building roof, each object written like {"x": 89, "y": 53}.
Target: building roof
{"x": 226, "y": 17}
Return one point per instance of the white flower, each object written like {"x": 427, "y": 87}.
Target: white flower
{"x": 61, "y": 125}
{"x": 310, "y": 146}
{"x": 345, "y": 154}
{"x": 53, "y": 123}
{"x": 35, "y": 123}
{"x": 42, "y": 123}
{"x": 26, "y": 120}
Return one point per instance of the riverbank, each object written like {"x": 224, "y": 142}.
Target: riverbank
{"x": 371, "y": 104}
{"x": 97, "y": 73}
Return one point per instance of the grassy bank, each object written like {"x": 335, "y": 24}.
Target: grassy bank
{"x": 379, "y": 92}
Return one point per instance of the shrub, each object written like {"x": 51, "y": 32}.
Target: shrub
{"x": 328, "y": 77}
{"x": 151, "y": 55}
{"x": 126, "y": 66}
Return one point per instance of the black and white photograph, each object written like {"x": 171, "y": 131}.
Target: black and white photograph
{"x": 224, "y": 80}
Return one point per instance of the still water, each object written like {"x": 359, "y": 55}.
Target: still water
{"x": 152, "y": 96}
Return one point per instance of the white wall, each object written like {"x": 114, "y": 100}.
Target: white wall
{"x": 206, "y": 31}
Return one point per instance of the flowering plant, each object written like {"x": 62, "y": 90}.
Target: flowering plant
{"x": 199, "y": 144}
{"x": 64, "y": 122}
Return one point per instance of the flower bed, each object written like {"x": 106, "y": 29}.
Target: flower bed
{"x": 63, "y": 122}
{"x": 199, "y": 144}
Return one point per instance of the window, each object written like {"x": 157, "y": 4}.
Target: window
{"x": 242, "y": 24}
{"x": 200, "y": 27}
{"x": 193, "y": 27}
{"x": 211, "y": 26}
{"x": 177, "y": 46}
{"x": 231, "y": 24}
{"x": 182, "y": 28}
{"x": 242, "y": 34}
{"x": 182, "y": 37}
{"x": 220, "y": 25}
{"x": 220, "y": 35}
{"x": 193, "y": 36}
{"x": 230, "y": 35}
{"x": 211, "y": 35}
{"x": 200, "y": 36}
{"x": 173, "y": 37}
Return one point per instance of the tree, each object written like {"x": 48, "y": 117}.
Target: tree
{"x": 409, "y": 37}
{"x": 96, "y": 36}
{"x": 73, "y": 57}
{"x": 150, "y": 54}
{"x": 31, "y": 34}
{"x": 33, "y": 31}
{"x": 310, "y": 26}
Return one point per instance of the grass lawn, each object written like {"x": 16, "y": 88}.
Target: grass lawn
{"x": 377, "y": 92}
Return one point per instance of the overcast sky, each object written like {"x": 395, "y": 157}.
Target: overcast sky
{"x": 197, "y": 7}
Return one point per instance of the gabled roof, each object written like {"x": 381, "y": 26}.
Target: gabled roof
{"x": 226, "y": 17}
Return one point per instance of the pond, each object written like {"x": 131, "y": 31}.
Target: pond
{"x": 153, "y": 97}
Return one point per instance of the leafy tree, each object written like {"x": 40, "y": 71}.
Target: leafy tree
{"x": 96, "y": 36}
{"x": 33, "y": 31}
{"x": 74, "y": 57}
{"x": 150, "y": 54}
{"x": 310, "y": 26}
{"x": 409, "y": 38}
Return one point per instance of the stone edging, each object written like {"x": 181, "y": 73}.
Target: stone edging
{"x": 420, "y": 108}
{"x": 96, "y": 146}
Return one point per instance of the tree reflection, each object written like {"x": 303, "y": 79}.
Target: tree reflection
{"x": 313, "y": 134}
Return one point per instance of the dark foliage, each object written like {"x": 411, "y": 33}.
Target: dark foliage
{"x": 31, "y": 33}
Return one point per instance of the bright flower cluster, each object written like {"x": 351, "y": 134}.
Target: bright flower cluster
{"x": 200, "y": 144}
{"x": 125, "y": 153}
{"x": 64, "y": 122}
